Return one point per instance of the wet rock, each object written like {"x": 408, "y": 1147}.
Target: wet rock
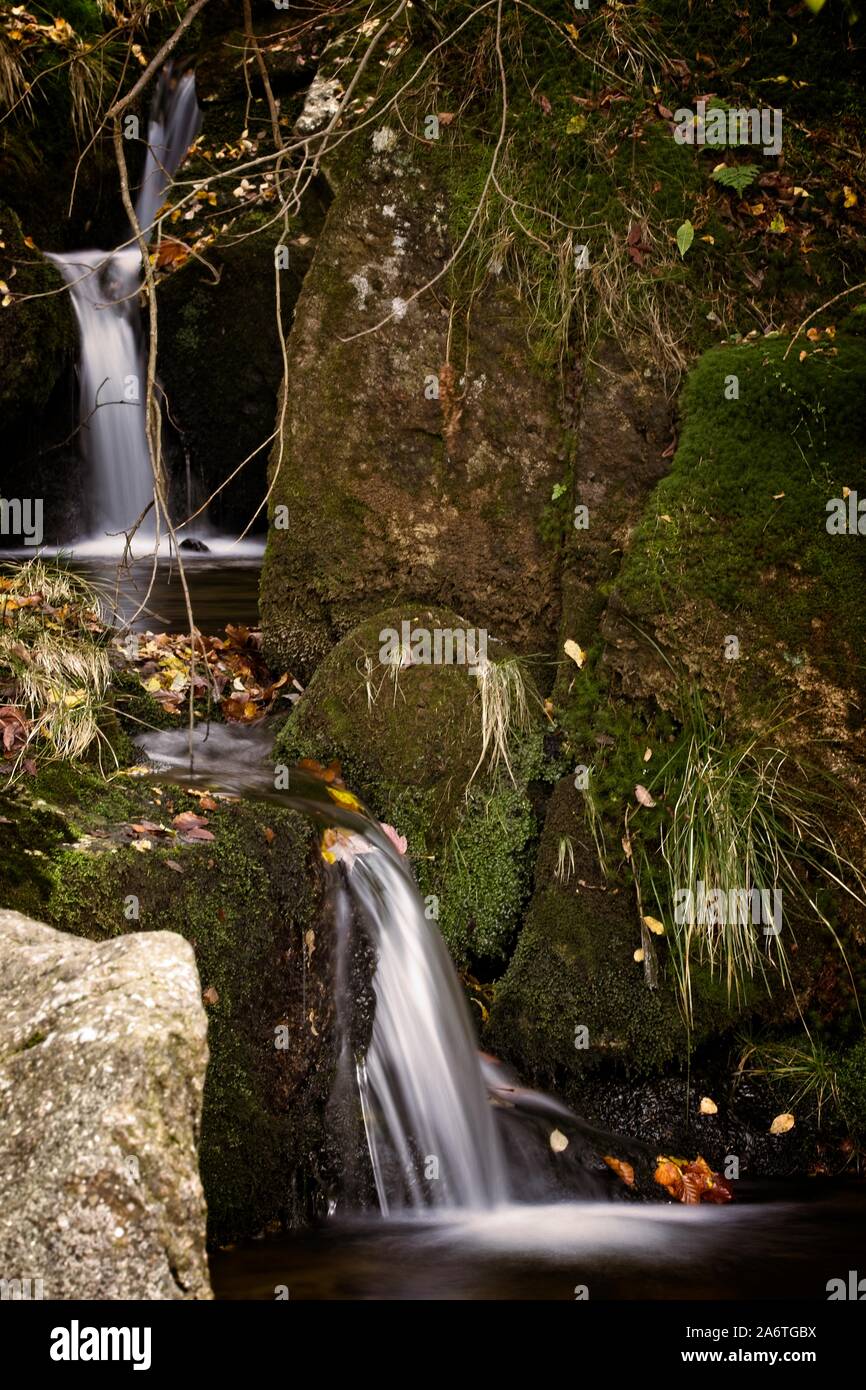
{"x": 102, "y": 1061}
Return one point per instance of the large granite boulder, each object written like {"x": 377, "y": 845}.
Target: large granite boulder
{"x": 103, "y": 1048}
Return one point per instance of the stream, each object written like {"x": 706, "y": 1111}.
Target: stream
{"x": 511, "y": 1223}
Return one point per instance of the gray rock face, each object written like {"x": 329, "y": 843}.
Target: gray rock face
{"x": 103, "y": 1048}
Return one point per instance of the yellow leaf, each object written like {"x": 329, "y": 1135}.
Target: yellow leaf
{"x": 638, "y": 955}
{"x": 647, "y": 754}
{"x": 558, "y": 1141}
{"x": 142, "y": 845}
{"x": 575, "y": 651}
{"x": 782, "y": 1124}
{"x": 755, "y": 208}
{"x": 850, "y": 197}
{"x": 655, "y": 926}
{"x": 708, "y": 1106}
{"x": 344, "y": 798}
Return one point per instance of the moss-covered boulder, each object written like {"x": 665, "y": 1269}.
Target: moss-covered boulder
{"x": 410, "y": 740}
{"x": 250, "y": 904}
{"x": 738, "y": 540}
{"x": 413, "y": 458}
{"x": 574, "y": 969}
{"x": 573, "y": 1012}
{"x": 744, "y": 578}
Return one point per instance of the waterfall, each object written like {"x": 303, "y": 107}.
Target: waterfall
{"x": 447, "y": 1129}
{"x": 429, "y": 1124}
{"x": 104, "y": 289}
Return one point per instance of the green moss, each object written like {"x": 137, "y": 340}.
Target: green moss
{"x": 410, "y": 748}
{"x": 740, "y": 522}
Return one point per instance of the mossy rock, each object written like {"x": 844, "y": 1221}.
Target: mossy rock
{"x": 574, "y": 968}
{"x": 735, "y": 541}
{"x": 250, "y": 904}
{"x": 409, "y": 745}
{"x": 401, "y": 470}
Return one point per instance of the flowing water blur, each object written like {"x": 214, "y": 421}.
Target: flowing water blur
{"x": 104, "y": 289}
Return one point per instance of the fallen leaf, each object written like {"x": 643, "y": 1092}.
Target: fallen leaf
{"x": 268, "y": 834}
{"x": 643, "y": 796}
{"x": 558, "y": 1141}
{"x": 173, "y": 864}
{"x": 782, "y": 1124}
{"x": 708, "y": 1106}
{"x": 621, "y": 1168}
{"x": 647, "y": 754}
{"x": 189, "y": 820}
{"x": 685, "y": 237}
{"x": 575, "y": 651}
{"x": 142, "y": 845}
{"x": 654, "y": 925}
{"x": 638, "y": 955}
{"x": 210, "y": 996}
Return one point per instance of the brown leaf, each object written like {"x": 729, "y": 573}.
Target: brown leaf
{"x": 210, "y": 996}
{"x": 189, "y": 820}
{"x": 622, "y": 1169}
{"x": 198, "y": 834}
{"x": 173, "y": 864}
{"x": 268, "y": 834}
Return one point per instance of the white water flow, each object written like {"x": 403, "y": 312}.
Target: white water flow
{"x": 430, "y": 1127}
{"x": 104, "y": 289}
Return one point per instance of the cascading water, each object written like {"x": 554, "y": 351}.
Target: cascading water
{"x": 429, "y": 1124}
{"x": 432, "y": 1132}
{"x": 104, "y": 289}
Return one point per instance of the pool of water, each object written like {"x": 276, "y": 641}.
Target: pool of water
{"x": 222, "y": 591}
{"x": 775, "y": 1242}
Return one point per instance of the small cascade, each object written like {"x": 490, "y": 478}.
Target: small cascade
{"x": 430, "y": 1127}
{"x": 104, "y": 288}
